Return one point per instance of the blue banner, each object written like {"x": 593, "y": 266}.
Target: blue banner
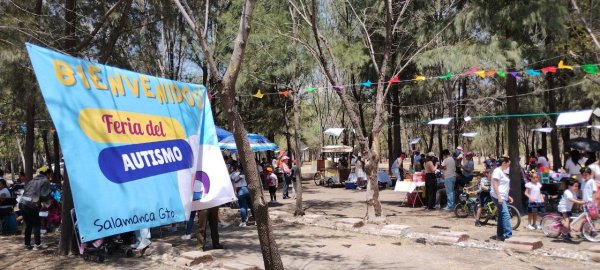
{"x": 135, "y": 146}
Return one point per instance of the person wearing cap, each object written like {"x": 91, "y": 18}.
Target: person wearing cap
{"x": 430, "y": 181}
{"x": 468, "y": 167}
{"x": 286, "y": 172}
{"x": 36, "y": 191}
{"x": 271, "y": 179}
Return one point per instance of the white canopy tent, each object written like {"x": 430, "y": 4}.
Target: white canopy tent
{"x": 470, "y": 134}
{"x": 334, "y": 131}
{"x": 543, "y": 129}
{"x": 572, "y": 118}
{"x": 441, "y": 121}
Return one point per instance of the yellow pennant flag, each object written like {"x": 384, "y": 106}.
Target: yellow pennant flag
{"x": 258, "y": 94}
{"x": 561, "y": 65}
{"x": 420, "y": 78}
{"x": 480, "y": 73}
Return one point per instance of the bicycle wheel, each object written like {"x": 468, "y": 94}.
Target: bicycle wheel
{"x": 461, "y": 210}
{"x": 318, "y": 178}
{"x": 551, "y": 225}
{"x": 515, "y": 217}
{"x": 591, "y": 232}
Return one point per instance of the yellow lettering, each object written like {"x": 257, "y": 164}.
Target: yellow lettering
{"x": 84, "y": 79}
{"x": 177, "y": 92}
{"x": 116, "y": 85}
{"x": 199, "y": 95}
{"x": 169, "y": 92}
{"x": 133, "y": 86}
{"x": 187, "y": 95}
{"x": 64, "y": 73}
{"x": 96, "y": 80}
{"x": 160, "y": 92}
{"x": 146, "y": 87}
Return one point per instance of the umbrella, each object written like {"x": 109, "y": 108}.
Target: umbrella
{"x": 584, "y": 144}
{"x": 222, "y": 134}
{"x": 258, "y": 143}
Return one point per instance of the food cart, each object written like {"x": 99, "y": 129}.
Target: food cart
{"x": 331, "y": 169}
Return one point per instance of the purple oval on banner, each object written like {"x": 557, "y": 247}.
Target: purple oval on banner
{"x": 127, "y": 163}
{"x": 203, "y": 177}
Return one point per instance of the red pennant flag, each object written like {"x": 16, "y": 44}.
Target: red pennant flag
{"x": 394, "y": 79}
{"x": 284, "y": 93}
{"x": 551, "y": 69}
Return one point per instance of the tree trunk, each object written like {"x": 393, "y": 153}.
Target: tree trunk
{"x": 21, "y": 154}
{"x": 390, "y": 138}
{"x": 45, "y": 134}
{"x": 440, "y": 143}
{"x": 65, "y": 243}
{"x": 30, "y": 136}
{"x": 554, "y": 134}
{"x": 565, "y": 134}
{"x": 56, "y": 145}
{"x": 297, "y": 133}
{"x": 544, "y": 139}
{"x": 513, "y": 142}
{"x": 497, "y": 139}
{"x": 396, "y": 123}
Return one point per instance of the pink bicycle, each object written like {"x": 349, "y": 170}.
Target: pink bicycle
{"x": 589, "y": 227}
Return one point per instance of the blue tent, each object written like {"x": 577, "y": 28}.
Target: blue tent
{"x": 258, "y": 143}
{"x": 222, "y": 134}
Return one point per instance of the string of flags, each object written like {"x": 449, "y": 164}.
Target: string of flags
{"x": 592, "y": 69}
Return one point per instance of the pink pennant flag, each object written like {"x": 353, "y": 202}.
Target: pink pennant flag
{"x": 471, "y": 71}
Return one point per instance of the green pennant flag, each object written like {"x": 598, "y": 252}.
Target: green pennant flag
{"x": 310, "y": 89}
{"x": 590, "y": 68}
{"x": 501, "y": 74}
{"x": 447, "y": 76}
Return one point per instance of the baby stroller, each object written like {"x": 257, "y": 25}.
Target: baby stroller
{"x": 97, "y": 250}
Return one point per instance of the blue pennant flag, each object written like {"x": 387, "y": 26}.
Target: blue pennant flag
{"x": 533, "y": 72}
{"x": 366, "y": 84}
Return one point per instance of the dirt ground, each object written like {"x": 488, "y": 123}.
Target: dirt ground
{"x": 308, "y": 247}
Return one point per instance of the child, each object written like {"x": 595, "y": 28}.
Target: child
{"x": 566, "y": 204}
{"x": 272, "y": 182}
{"x": 589, "y": 185}
{"x": 533, "y": 193}
{"x": 484, "y": 196}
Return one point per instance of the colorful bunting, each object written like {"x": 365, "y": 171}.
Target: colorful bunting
{"x": 533, "y": 72}
{"x": 366, "y": 84}
{"x": 258, "y": 94}
{"x": 420, "y": 78}
{"x": 447, "y": 76}
{"x": 502, "y": 74}
{"x": 516, "y": 75}
{"x": 551, "y": 69}
{"x": 310, "y": 89}
{"x": 490, "y": 73}
{"x": 394, "y": 79}
{"x": 471, "y": 71}
{"x": 284, "y": 93}
{"x": 480, "y": 73}
{"x": 561, "y": 65}
{"x": 590, "y": 68}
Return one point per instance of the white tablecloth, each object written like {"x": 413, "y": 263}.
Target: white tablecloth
{"x": 408, "y": 187}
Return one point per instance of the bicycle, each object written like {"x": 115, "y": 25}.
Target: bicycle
{"x": 590, "y": 228}
{"x": 490, "y": 211}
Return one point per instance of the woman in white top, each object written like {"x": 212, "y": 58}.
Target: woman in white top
{"x": 589, "y": 186}
{"x": 499, "y": 193}
{"x": 573, "y": 165}
{"x": 243, "y": 194}
{"x": 360, "y": 172}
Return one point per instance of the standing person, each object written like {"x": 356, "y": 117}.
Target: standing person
{"x": 360, "y": 172}
{"x": 397, "y": 167}
{"x": 484, "y": 196}
{"x": 212, "y": 216}
{"x": 500, "y": 197}
{"x": 468, "y": 168}
{"x": 536, "y": 201}
{"x": 490, "y": 163}
{"x": 566, "y": 205}
{"x": 449, "y": 173}
{"x": 595, "y": 167}
{"x": 142, "y": 239}
{"x": 573, "y": 166}
{"x": 589, "y": 186}
{"x": 542, "y": 160}
{"x": 272, "y": 183}
{"x": 36, "y": 191}
{"x": 243, "y": 194}
{"x": 417, "y": 161}
{"x": 286, "y": 172}
{"x": 430, "y": 181}
{"x": 198, "y": 188}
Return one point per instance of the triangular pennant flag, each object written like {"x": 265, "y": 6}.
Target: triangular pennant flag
{"x": 471, "y": 71}
{"x": 338, "y": 87}
{"x": 420, "y": 78}
{"x": 561, "y": 65}
{"x": 480, "y": 73}
{"x": 516, "y": 75}
{"x": 366, "y": 84}
{"x": 258, "y": 94}
{"x": 394, "y": 79}
{"x": 590, "y": 68}
{"x": 447, "y": 76}
{"x": 490, "y": 73}
{"x": 533, "y": 72}
{"x": 551, "y": 69}
{"x": 310, "y": 89}
{"x": 284, "y": 93}
{"x": 500, "y": 73}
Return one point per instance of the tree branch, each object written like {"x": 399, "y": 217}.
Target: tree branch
{"x": 103, "y": 20}
{"x": 585, "y": 24}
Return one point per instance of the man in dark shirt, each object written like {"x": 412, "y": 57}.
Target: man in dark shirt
{"x": 36, "y": 191}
